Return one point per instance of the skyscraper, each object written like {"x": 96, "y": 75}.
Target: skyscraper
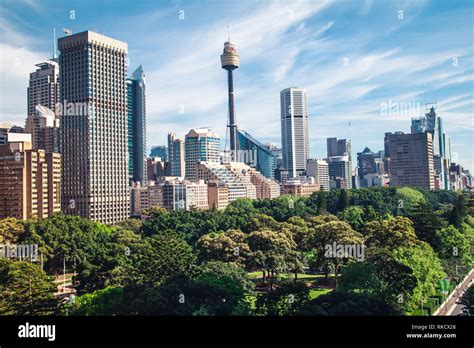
{"x": 338, "y": 147}
{"x": 340, "y": 160}
{"x": 176, "y": 155}
{"x": 230, "y": 62}
{"x": 136, "y": 124}
{"x": 411, "y": 159}
{"x": 433, "y": 124}
{"x": 339, "y": 168}
{"x": 93, "y": 77}
{"x": 43, "y": 87}
{"x": 43, "y": 98}
{"x": 294, "y": 130}
{"x": 201, "y": 145}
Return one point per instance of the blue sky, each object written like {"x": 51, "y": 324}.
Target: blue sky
{"x": 353, "y": 57}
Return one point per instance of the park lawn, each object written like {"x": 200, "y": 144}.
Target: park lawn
{"x": 313, "y": 293}
{"x": 301, "y": 276}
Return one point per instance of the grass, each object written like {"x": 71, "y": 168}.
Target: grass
{"x": 313, "y": 293}
{"x": 300, "y": 276}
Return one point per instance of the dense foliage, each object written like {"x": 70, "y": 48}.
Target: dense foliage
{"x": 260, "y": 257}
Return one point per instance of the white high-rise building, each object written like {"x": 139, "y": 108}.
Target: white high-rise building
{"x": 176, "y": 155}
{"x": 319, "y": 170}
{"x": 93, "y": 75}
{"x": 201, "y": 145}
{"x": 294, "y": 130}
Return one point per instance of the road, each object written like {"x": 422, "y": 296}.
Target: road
{"x": 451, "y": 307}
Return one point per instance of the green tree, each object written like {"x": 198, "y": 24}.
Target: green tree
{"x": 426, "y": 222}
{"x": 270, "y": 252}
{"x": 229, "y": 246}
{"x": 426, "y": 267}
{"x": 343, "y": 201}
{"x": 106, "y": 301}
{"x": 348, "y": 304}
{"x": 25, "y": 289}
{"x": 10, "y": 230}
{"x": 450, "y": 243}
{"x": 354, "y": 216}
{"x": 407, "y": 197}
{"x": 158, "y": 258}
{"x": 286, "y": 299}
{"x": 390, "y": 233}
{"x": 332, "y": 233}
{"x": 459, "y": 211}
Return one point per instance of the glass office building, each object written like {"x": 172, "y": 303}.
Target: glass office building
{"x": 260, "y": 156}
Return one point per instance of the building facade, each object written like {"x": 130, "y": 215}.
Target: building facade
{"x": 411, "y": 159}
{"x": 184, "y": 194}
{"x": 30, "y": 181}
{"x": 44, "y": 129}
{"x": 201, "y": 145}
{"x": 319, "y": 170}
{"x": 176, "y": 155}
{"x": 94, "y": 136}
{"x": 136, "y": 126}
{"x": 159, "y": 151}
{"x": 294, "y": 130}
{"x": 339, "y": 168}
{"x": 43, "y": 87}
{"x": 256, "y": 154}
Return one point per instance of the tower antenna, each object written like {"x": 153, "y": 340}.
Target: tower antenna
{"x": 54, "y": 43}
{"x": 228, "y": 32}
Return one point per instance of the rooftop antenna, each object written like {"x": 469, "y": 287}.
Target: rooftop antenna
{"x": 54, "y": 43}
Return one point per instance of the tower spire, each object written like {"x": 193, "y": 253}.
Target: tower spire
{"x": 54, "y": 43}
{"x": 228, "y": 33}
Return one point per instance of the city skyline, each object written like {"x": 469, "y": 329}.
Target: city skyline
{"x": 385, "y": 64}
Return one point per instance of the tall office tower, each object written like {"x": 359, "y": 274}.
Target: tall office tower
{"x": 201, "y": 145}
{"x": 339, "y": 152}
{"x": 176, "y": 155}
{"x": 136, "y": 125}
{"x": 44, "y": 129}
{"x": 30, "y": 181}
{"x": 256, "y": 155}
{"x": 159, "y": 151}
{"x": 433, "y": 124}
{"x": 411, "y": 159}
{"x": 294, "y": 130}
{"x": 230, "y": 61}
{"x": 319, "y": 170}
{"x": 339, "y": 168}
{"x": 43, "y": 88}
{"x": 338, "y": 147}
{"x": 94, "y": 137}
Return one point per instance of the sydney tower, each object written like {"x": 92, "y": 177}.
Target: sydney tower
{"x": 230, "y": 61}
